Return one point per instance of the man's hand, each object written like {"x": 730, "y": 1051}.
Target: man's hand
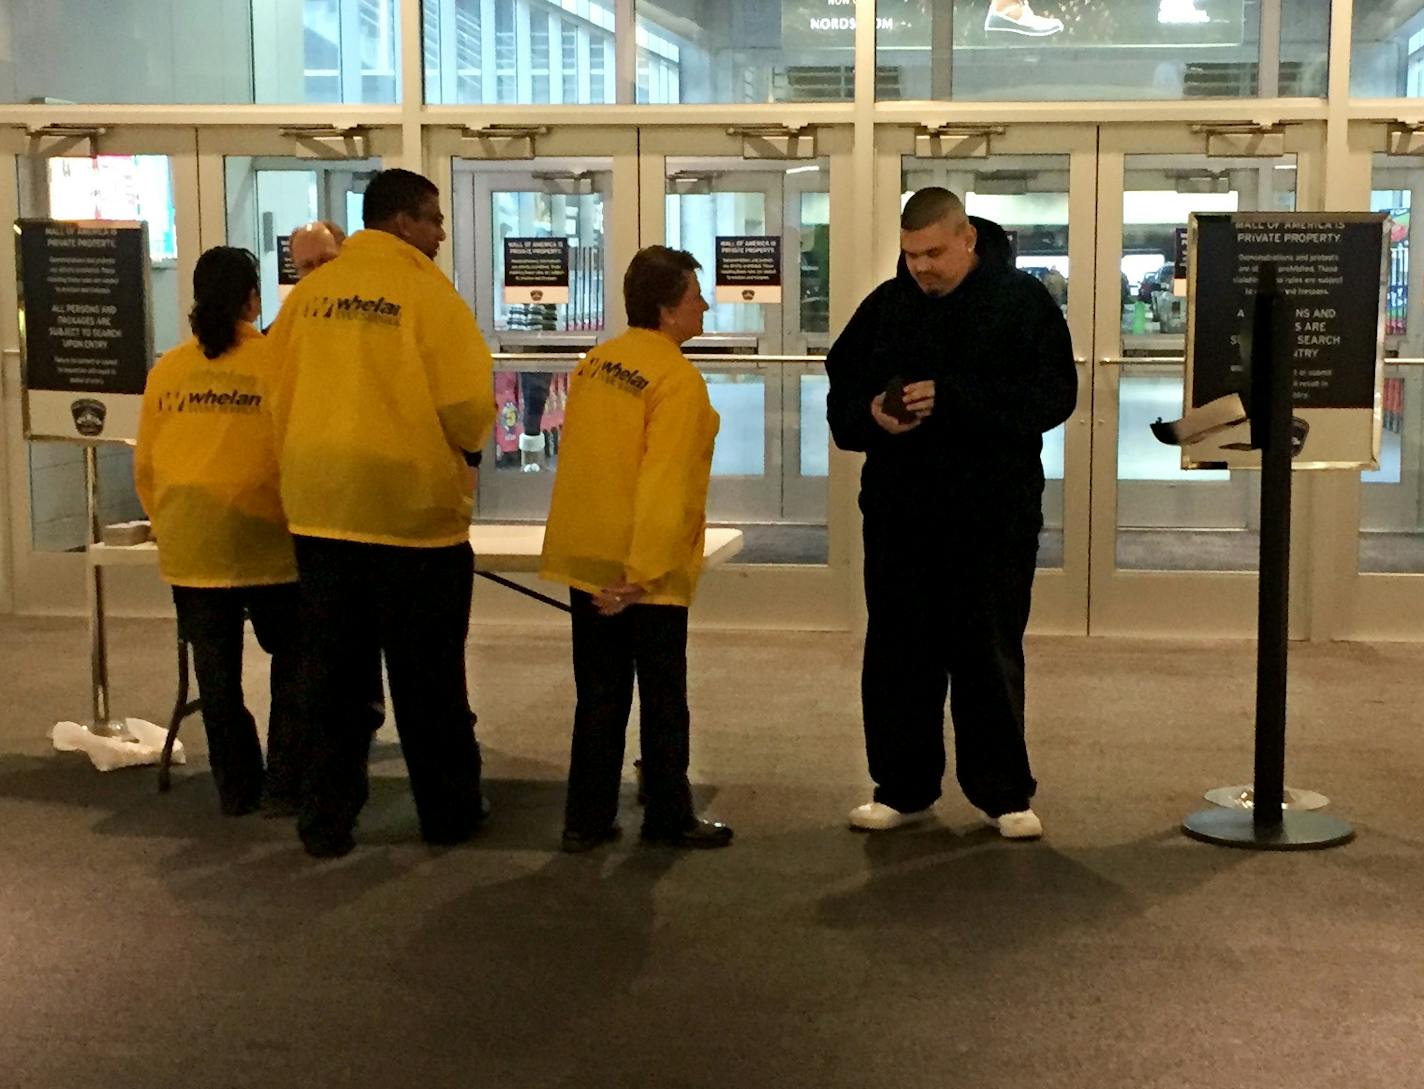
{"x": 919, "y": 397}
{"x": 612, "y": 600}
{"x": 889, "y": 423}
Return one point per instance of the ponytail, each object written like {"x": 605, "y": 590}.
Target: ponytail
{"x": 223, "y": 282}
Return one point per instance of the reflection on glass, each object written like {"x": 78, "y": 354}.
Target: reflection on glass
{"x": 1392, "y": 497}
{"x": 1169, "y": 518}
{"x": 575, "y": 216}
{"x": 745, "y": 51}
{"x": 815, "y": 430}
{"x": 815, "y": 262}
{"x": 740, "y": 399}
{"x": 1154, "y": 300}
{"x": 518, "y": 51}
{"x": 1114, "y": 49}
{"x": 200, "y": 51}
{"x": 1387, "y": 49}
{"x": 529, "y": 419}
{"x": 1391, "y": 506}
{"x": 268, "y": 198}
{"x": 694, "y": 220}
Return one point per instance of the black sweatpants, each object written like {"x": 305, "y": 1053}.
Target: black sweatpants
{"x": 947, "y": 612}
{"x": 648, "y": 642}
{"x": 413, "y": 604}
{"x": 211, "y": 620}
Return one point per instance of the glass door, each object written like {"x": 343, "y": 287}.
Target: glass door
{"x": 558, "y": 184}
{"x": 1039, "y": 184}
{"x": 1173, "y": 551}
{"x": 1371, "y": 579}
{"x": 761, "y": 359}
{"x": 273, "y": 182}
{"x": 132, "y": 174}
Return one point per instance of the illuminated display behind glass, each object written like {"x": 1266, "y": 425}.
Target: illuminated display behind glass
{"x": 118, "y": 187}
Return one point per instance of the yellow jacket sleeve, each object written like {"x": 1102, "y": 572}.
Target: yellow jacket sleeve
{"x": 461, "y": 377}
{"x": 148, "y": 425}
{"x": 667, "y": 484}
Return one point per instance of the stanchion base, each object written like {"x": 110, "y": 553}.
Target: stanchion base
{"x": 1298, "y": 831}
{"x": 113, "y": 731}
{"x": 1244, "y": 797}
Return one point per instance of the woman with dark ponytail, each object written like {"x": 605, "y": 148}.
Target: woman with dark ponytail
{"x": 206, "y": 471}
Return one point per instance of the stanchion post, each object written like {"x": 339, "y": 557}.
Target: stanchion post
{"x": 100, "y": 724}
{"x": 1271, "y": 382}
{"x": 1269, "y": 826}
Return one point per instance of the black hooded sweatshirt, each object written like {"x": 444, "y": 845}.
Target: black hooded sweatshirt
{"x": 998, "y": 350}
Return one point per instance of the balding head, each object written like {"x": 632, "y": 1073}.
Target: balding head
{"x": 314, "y": 244}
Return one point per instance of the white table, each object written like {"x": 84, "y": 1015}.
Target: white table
{"x": 499, "y": 547}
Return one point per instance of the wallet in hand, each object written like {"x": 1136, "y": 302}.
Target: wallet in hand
{"x": 894, "y": 403}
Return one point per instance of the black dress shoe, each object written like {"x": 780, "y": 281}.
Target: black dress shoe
{"x": 698, "y": 834}
{"x": 336, "y": 846}
{"x": 575, "y": 843}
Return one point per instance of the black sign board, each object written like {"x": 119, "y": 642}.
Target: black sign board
{"x": 536, "y": 270}
{"x": 748, "y": 268}
{"x": 287, "y": 274}
{"x": 1330, "y": 271}
{"x": 1179, "y": 261}
{"x": 87, "y": 328}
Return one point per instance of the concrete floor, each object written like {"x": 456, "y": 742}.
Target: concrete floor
{"x": 146, "y": 941}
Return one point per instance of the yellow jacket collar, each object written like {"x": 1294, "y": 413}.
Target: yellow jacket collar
{"x": 383, "y": 244}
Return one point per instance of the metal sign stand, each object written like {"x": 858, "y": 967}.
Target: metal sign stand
{"x": 100, "y": 724}
{"x": 1268, "y": 825}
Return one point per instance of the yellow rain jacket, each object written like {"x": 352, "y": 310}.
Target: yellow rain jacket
{"x": 382, "y": 381}
{"x": 206, "y": 467}
{"x": 635, "y": 458}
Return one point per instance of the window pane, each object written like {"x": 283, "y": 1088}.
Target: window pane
{"x": 518, "y": 51}
{"x": 746, "y": 51}
{"x": 1085, "y": 49}
{"x": 1392, "y": 496}
{"x": 199, "y": 51}
{"x": 1387, "y": 50}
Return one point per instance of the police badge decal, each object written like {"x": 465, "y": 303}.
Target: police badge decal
{"x": 89, "y": 416}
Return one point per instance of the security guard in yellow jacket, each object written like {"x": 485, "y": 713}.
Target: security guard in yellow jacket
{"x": 206, "y": 473}
{"x": 384, "y": 394}
{"x": 625, "y": 533}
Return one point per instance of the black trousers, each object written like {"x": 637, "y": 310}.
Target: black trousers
{"x": 947, "y": 612}
{"x": 413, "y": 604}
{"x": 211, "y": 620}
{"x": 649, "y": 643}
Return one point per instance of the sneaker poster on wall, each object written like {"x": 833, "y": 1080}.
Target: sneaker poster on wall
{"x": 1002, "y": 24}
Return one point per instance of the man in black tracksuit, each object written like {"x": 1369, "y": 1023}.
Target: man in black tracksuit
{"x": 947, "y": 377}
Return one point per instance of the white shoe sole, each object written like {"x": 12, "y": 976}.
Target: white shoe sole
{"x": 904, "y": 821}
{"x": 1000, "y": 25}
{"x": 1031, "y": 833}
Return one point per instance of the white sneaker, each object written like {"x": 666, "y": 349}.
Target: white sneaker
{"x": 1181, "y": 13}
{"x": 1021, "y": 825}
{"x": 879, "y": 817}
{"x": 1025, "y": 22}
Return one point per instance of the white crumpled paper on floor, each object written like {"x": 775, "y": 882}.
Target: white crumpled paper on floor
{"x": 108, "y": 753}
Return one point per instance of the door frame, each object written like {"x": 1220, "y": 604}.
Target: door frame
{"x": 1213, "y": 604}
